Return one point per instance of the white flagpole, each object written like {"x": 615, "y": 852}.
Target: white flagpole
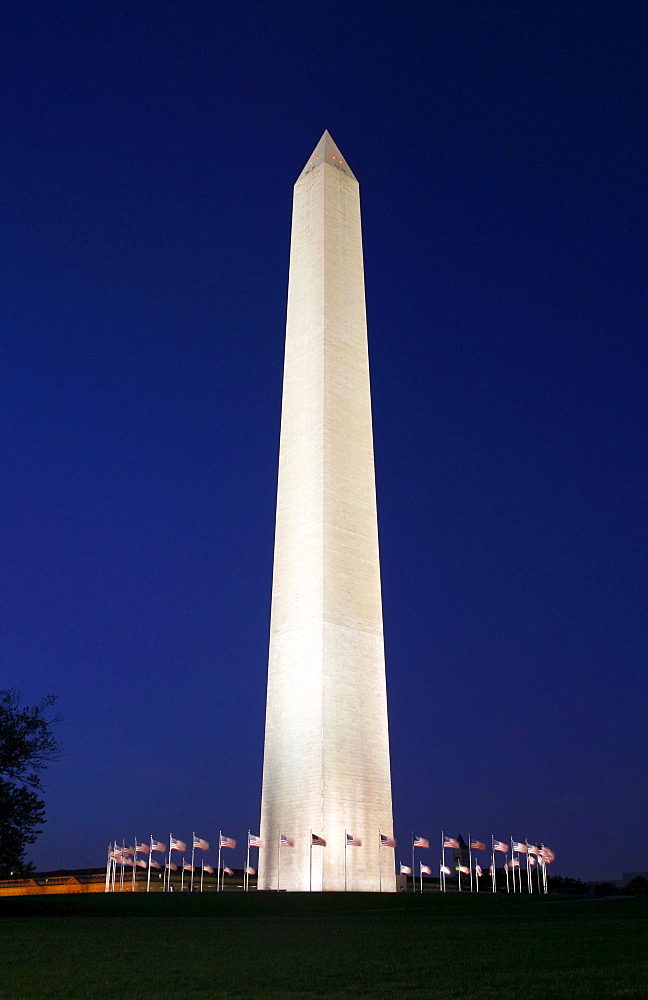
{"x": 494, "y": 884}
{"x": 182, "y": 876}
{"x": 121, "y": 873}
{"x": 379, "y": 861}
{"x": 134, "y": 865}
{"x": 108, "y": 864}
{"x": 278, "y": 859}
{"x": 169, "y": 868}
{"x": 413, "y": 867}
{"x": 148, "y": 874}
{"x": 470, "y": 861}
{"x": 529, "y": 882}
{"x": 193, "y": 850}
{"x": 443, "y": 858}
{"x": 310, "y": 864}
{"x": 218, "y": 876}
{"x": 202, "y": 874}
{"x": 476, "y": 881}
{"x": 420, "y": 876}
{"x": 345, "y": 861}
{"x": 246, "y": 880}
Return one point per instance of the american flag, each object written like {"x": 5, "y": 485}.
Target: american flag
{"x": 532, "y": 861}
{"x": 386, "y": 841}
{"x": 517, "y": 845}
{"x": 199, "y": 843}
{"x": 157, "y": 845}
{"x": 476, "y": 845}
{"x": 285, "y": 841}
{"x": 548, "y": 854}
{"x": 172, "y": 866}
{"x": 420, "y": 842}
{"x": 250, "y": 871}
{"x": 491, "y": 870}
{"x": 451, "y": 842}
{"x": 155, "y": 864}
{"x": 228, "y": 871}
{"x": 141, "y": 848}
{"x": 353, "y": 841}
{"x": 444, "y": 870}
{"x": 425, "y": 870}
{"x": 187, "y": 867}
{"x": 177, "y": 845}
{"x": 464, "y": 870}
{"x": 208, "y": 869}
{"x": 478, "y": 871}
{"x": 227, "y": 841}
{"x": 142, "y": 863}
{"x": 254, "y": 841}
{"x": 506, "y": 866}
{"x": 515, "y": 863}
{"x": 499, "y": 845}
{"x": 317, "y": 841}
{"x": 405, "y": 870}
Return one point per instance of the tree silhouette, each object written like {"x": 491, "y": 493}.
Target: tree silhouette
{"x": 27, "y": 746}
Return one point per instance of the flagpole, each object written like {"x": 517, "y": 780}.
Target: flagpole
{"x": 470, "y": 860}
{"x": 278, "y": 860}
{"x": 310, "y": 864}
{"x": 413, "y": 868}
{"x": 528, "y": 868}
{"x": 379, "y": 862}
{"x": 193, "y": 851}
{"x": 108, "y": 861}
{"x": 476, "y": 881}
{"x": 345, "y": 860}
{"x": 247, "y": 874}
{"x": 493, "y": 882}
{"x": 218, "y": 874}
{"x": 420, "y": 876}
{"x": 121, "y": 871}
{"x": 202, "y": 874}
{"x": 443, "y": 858}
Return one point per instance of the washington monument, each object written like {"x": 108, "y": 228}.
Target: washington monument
{"x": 326, "y": 780}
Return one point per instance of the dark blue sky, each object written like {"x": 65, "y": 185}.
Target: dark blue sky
{"x": 148, "y": 156}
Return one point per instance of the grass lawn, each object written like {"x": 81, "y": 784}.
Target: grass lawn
{"x": 270, "y": 946}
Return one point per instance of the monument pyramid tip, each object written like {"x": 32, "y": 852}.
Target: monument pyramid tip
{"x": 326, "y": 151}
